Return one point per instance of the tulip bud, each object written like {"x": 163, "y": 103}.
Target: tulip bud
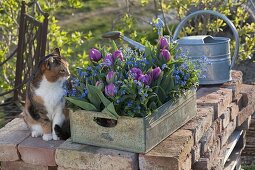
{"x": 117, "y": 54}
{"x": 110, "y": 77}
{"x": 95, "y": 55}
{"x": 163, "y": 43}
{"x": 155, "y": 73}
{"x": 110, "y": 90}
{"x": 100, "y": 84}
{"x": 165, "y": 54}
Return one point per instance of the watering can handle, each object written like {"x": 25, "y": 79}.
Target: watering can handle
{"x": 223, "y": 17}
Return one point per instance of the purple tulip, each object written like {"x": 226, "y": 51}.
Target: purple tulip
{"x": 110, "y": 90}
{"x": 117, "y": 54}
{"x": 110, "y": 77}
{"x": 145, "y": 79}
{"x": 108, "y": 60}
{"x": 135, "y": 72}
{"x": 100, "y": 84}
{"x": 163, "y": 43}
{"x": 155, "y": 73}
{"x": 95, "y": 55}
{"x": 165, "y": 54}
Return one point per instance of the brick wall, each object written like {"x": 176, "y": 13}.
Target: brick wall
{"x": 248, "y": 154}
{"x": 214, "y": 139}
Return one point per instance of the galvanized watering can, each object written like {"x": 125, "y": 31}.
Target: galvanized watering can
{"x": 216, "y": 49}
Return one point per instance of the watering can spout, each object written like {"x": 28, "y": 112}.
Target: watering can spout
{"x": 117, "y": 34}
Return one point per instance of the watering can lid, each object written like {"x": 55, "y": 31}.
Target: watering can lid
{"x": 201, "y": 39}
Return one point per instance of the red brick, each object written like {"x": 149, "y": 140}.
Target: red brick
{"x": 20, "y": 165}
{"x": 245, "y": 125}
{"x": 217, "y": 127}
{"x": 63, "y": 168}
{"x": 187, "y": 163}
{"x": 39, "y": 152}
{"x": 10, "y": 136}
{"x": 201, "y": 123}
{"x": 202, "y": 164}
{"x": 173, "y": 153}
{"x": 213, "y": 151}
{"x": 195, "y": 152}
{"x": 207, "y": 141}
{"x": 227, "y": 132}
{"x": 237, "y": 76}
{"x": 234, "y": 111}
{"x": 17, "y": 124}
{"x": 217, "y": 166}
{"x": 225, "y": 118}
{"x": 217, "y": 97}
{"x": 235, "y": 83}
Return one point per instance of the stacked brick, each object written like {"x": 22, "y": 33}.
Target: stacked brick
{"x": 19, "y": 151}
{"x": 248, "y": 154}
{"x": 214, "y": 139}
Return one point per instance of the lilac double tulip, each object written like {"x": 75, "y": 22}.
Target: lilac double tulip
{"x": 110, "y": 77}
{"x": 155, "y": 73}
{"x": 163, "y": 43}
{"x": 108, "y": 60}
{"x": 117, "y": 54}
{"x": 110, "y": 90}
{"x": 145, "y": 79}
{"x": 95, "y": 55}
{"x": 135, "y": 72}
{"x": 165, "y": 54}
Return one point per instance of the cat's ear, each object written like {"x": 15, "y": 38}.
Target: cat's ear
{"x": 56, "y": 51}
{"x": 49, "y": 62}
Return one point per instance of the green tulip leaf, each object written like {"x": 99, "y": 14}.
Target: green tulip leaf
{"x": 93, "y": 96}
{"x": 99, "y": 93}
{"x": 110, "y": 110}
{"x": 114, "y": 46}
{"x": 82, "y": 104}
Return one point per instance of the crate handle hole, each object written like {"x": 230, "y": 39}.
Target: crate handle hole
{"x": 105, "y": 122}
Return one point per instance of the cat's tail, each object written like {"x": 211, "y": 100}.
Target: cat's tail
{"x": 63, "y": 132}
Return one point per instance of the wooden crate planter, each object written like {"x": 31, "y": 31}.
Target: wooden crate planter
{"x": 133, "y": 134}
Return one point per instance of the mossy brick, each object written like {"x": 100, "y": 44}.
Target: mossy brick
{"x": 173, "y": 153}
{"x": 80, "y": 156}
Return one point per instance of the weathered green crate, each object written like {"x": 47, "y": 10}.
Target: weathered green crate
{"x": 133, "y": 134}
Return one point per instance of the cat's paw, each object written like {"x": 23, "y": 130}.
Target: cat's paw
{"x": 55, "y": 137}
{"x": 47, "y": 137}
{"x": 36, "y": 134}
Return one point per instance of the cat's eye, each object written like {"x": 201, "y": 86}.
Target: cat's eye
{"x": 62, "y": 71}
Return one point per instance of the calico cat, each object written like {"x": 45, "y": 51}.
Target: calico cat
{"x": 44, "y": 110}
